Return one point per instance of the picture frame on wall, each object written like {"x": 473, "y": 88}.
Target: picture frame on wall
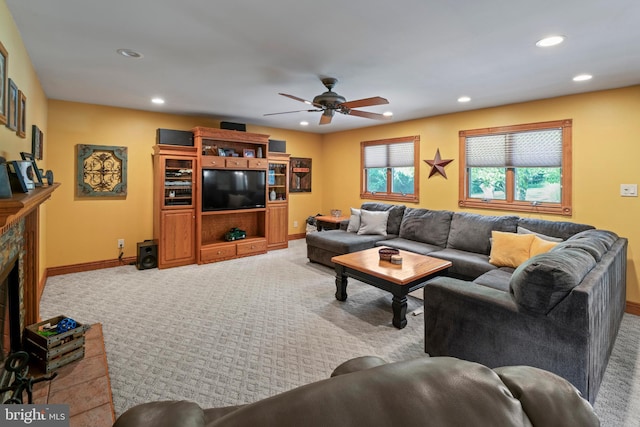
{"x": 4, "y": 59}
{"x": 21, "y": 131}
{"x": 12, "y": 105}
{"x": 300, "y": 176}
{"x": 37, "y": 142}
{"x": 37, "y": 175}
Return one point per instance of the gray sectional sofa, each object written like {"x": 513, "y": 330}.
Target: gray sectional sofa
{"x": 559, "y": 310}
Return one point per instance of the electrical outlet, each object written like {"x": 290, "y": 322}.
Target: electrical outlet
{"x": 295, "y": 224}
{"x": 120, "y": 243}
{"x": 629, "y": 190}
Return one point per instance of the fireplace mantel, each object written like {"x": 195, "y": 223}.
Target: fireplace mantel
{"x": 23, "y": 203}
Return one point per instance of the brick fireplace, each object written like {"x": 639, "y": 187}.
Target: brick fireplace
{"x": 20, "y": 286}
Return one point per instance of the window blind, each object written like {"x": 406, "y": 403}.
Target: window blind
{"x": 394, "y": 155}
{"x": 540, "y": 148}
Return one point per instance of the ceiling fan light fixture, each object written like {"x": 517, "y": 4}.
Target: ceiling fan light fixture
{"x": 157, "y": 100}
{"x": 550, "y": 41}
{"x": 388, "y": 114}
{"x": 130, "y": 53}
{"x": 304, "y": 123}
{"x": 464, "y": 99}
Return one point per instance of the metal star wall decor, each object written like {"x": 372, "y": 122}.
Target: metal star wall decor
{"x": 438, "y": 164}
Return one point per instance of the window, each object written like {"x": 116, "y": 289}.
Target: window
{"x": 525, "y": 168}
{"x": 390, "y": 169}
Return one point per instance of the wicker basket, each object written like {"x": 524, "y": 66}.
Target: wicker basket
{"x": 385, "y": 253}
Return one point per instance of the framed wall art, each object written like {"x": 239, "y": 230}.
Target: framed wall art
{"x": 22, "y": 115}
{"x": 37, "y": 142}
{"x": 300, "y": 176}
{"x": 4, "y": 58}
{"x": 12, "y": 105}
{"x": 36, "y": 175}
{"x": 101, "y": 171}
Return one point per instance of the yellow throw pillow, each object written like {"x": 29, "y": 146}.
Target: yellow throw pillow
{"x": 540, "y": 246}
{"x": 509, "y": 249}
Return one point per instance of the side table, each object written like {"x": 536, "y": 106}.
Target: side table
{"x": 328, "y": 222}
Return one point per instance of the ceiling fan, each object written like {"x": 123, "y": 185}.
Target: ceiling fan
{"x": 329, "y": 102}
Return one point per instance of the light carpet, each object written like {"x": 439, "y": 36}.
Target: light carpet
{"x": 241, "y": 330}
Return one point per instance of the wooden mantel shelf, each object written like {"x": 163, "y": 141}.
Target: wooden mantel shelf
{"x": 23, "y": 203}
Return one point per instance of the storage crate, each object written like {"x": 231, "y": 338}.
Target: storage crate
{"x": 51, "y": 352}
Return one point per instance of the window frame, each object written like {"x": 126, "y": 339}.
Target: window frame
{"x": 388, "y": 195}
{"x": 510, "y": 204}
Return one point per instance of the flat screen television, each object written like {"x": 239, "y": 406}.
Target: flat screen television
{"x": 225, "y": 189}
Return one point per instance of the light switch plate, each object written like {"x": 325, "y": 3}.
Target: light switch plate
{"x": 629, "y": 190}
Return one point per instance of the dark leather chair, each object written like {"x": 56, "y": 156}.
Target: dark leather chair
{"x": 367, "y": 391}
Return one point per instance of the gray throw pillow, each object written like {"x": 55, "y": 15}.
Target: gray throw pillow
{"x": 373, "y": 222}
{"x": 542, "y": 281}
{"x": 354, "y": 221}
{"x": 522, "y": 230}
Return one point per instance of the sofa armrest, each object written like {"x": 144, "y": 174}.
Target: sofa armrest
{"x": 162, "y": 414}
{"x": 358, "y": 364}
{"x": 445, "y": 290}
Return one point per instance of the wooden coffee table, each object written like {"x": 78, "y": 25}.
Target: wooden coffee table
{"x": 326, "y": 222}
{"x": 367, "y": 267}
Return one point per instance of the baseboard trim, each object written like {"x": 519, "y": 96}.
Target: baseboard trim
{"x": 89, "y": 266}
{"x": 633, "y": 308}
{"x": 297, "y": 236}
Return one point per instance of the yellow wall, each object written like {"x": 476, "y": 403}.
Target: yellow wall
{"x": 22, "y": 73}
{"x": 87, "y": 229}
{"x": 605, "y": 155}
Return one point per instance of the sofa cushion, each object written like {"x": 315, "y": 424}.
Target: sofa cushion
{"x": 426, "y": 226}
{"x": 560, "y": 229}
{"x": 471, "y": 232}
{"x": 373, "y": 222}
{"x": 595, "y": 247}
{"x": 541, "y": 282}
{"x": 466, "y": 265}
{"x": 341, "y": 242}
{"x": 509, "y": 249}
{"x": 606, "y": 237}
{"x": 409, "y": 245}
{"x": 496, "y": 279}
{"x": 396, "y": 213}
{"x": 354, "y": 221}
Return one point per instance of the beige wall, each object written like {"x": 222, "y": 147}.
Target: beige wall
{"x": 605, "y": 155}
{"x": 86, "y": 229}
{"x": 22, "y": 73}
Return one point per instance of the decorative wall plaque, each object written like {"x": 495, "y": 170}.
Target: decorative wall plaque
{"x": 102, "y": 171}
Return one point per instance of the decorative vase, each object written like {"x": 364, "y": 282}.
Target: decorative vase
{"x": 259, "y": 153}
{"x": 272, "y": 195}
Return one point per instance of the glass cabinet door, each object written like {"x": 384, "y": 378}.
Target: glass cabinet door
{"x": 178, "y": 182}
{"x": 277, "y": 181}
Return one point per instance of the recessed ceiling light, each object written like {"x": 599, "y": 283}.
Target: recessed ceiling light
{"x": 129, "y": 53}
{"x": 388, "y": 114}
{"x": 157, "y": 100}
{"x": 582, "y": 77}
{"x": 550, "y": 41}
{"x": 304, "y": 123}
{"x": 464, "y": 99}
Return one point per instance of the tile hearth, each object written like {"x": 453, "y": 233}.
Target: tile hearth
{"x": 84, "y": 385}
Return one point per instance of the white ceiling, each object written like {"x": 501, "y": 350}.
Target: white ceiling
{"x": 229, "y": 59}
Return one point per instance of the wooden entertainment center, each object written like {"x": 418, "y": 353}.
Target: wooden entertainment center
{"x": 187, "y": 233}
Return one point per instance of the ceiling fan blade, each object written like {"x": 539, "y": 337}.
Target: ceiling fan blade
{"x": 366, "y": 102}
{"x": 287, "y": 112}
{"x": 325, "y": 119}
{"x": 300, "y": 99}
{"x": 368, "y": 115}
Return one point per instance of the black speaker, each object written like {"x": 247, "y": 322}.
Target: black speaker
{"x": 233, "y": 126}
{"x": 277, "y": 146}
{"x": 147, "y": 255}
{"x": 174, "y": 137}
